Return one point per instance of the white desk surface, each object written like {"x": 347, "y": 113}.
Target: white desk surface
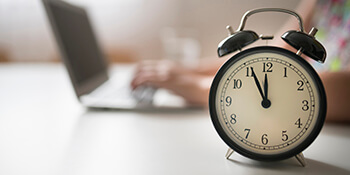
{"x": 44, "y": 130}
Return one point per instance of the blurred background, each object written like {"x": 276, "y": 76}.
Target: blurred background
{"x": 130, "y": 30}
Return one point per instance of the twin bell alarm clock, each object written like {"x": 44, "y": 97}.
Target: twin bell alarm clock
{"x": 268, "y": 103}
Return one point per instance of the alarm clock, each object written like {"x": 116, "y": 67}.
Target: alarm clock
{"x": 268, "y": 103}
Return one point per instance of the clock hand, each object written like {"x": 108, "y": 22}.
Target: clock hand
{"x": 257, "y": 83}
{"x": 266, "y": 103}
{"x": 265, "y": 87}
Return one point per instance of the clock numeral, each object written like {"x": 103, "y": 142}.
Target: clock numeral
{"x": 228, "y": 100}
{"x": 267, "y": 67}
{"x": 233, "y": 119}
{"x": 298, "y": 123}
{"x": 300, "y": 83}
{"x": 264, "y": 139}
{"x": 305, "y": 105}
{"x": 248, "y": 131}
{"x": 284, "y": 136}
{"x": 237, "y": 83}
{"x": 249, "y": 72}
{"x": 285, "y": 72}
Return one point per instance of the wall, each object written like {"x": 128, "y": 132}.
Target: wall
{"x": 133, "y": 29}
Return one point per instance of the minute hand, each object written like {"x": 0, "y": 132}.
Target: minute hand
{"x": 257, "y": 83}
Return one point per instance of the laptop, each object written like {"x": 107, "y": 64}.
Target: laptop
{"x": 88, "y": 69}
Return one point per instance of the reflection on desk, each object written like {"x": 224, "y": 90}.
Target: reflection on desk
{"x": 44, "y": 130}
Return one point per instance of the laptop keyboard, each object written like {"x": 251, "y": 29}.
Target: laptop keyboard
{"x": 123, "y": 92}
{"x": 117, "y": 92}
{"x": 144, "y": 94}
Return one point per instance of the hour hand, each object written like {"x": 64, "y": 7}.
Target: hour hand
{"x": 265, "y": 87}
{"x": 266, "y": 103}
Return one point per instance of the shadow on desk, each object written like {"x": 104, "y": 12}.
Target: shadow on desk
{"x": 291, "y": 166}
{"x": 166, "y": 111}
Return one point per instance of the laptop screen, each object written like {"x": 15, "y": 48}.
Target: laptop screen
{"x": 82, "y": 56}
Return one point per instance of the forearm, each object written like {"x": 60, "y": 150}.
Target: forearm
{"x": 305, "y": 10}
{"x": 209, "y": 66}
{"x": 337, "y": 86}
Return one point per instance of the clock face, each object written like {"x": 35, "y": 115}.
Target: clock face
{"x": 267, "y": 103}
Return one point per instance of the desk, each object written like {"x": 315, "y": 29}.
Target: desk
{"x": 44, "y": 130}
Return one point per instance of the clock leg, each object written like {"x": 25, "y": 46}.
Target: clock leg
{"x": 301, "y": 159}
{"x": 229, "y": 153}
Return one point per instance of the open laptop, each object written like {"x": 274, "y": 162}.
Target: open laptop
{"x": 88, "y": 69}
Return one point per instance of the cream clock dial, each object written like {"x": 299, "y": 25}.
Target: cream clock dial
{"x": 267, "y": 103}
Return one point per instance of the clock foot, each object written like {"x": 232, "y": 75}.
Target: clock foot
{"x": 229, "y": 153}
{"x": 301, "y": 159}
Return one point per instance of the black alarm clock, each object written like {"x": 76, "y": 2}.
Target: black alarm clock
{"x": 268, "y": 103}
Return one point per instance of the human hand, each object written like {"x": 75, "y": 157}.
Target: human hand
{"x": 193, "y": 87}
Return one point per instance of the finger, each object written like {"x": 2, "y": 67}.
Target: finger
{"x": 141, "y": 73}
{"x": 152, "y": 79}
{"x": 139, "y": 77}
{"x": 143, "y": 78}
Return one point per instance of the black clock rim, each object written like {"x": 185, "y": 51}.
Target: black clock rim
{"x": 320, "y": 118}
